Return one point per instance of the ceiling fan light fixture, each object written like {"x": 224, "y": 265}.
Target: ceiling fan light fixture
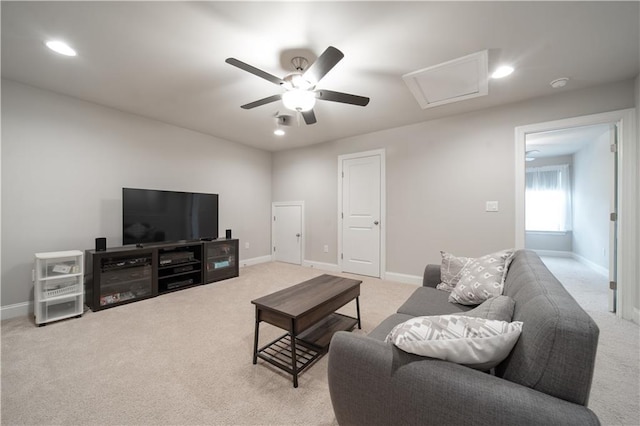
{"x": 299, "y": 100}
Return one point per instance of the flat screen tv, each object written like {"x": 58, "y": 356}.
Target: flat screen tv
{"x": 150, "y": 216}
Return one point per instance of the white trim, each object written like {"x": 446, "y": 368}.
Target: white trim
{"x": 627, "y": 193}
{"x": 636, "y": 315}
{"x": 255, "y": 261}
{"x": 404, "y": 278}
{"x": 593, "y": 266}
{"x": 553, "y": 253}
{"x": 302, "y": 226}
{"x": 16, "y": 310}
{"x": 330, "y": 267}
{"x": 547, "y": 232}
{"x": 383, "y": 205}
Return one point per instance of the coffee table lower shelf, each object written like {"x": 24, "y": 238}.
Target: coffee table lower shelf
{"x": 311, "y": 344}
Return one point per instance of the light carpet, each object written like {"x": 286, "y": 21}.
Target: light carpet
{"x": 186, "y": 358}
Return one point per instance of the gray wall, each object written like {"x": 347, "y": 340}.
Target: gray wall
{"x": 65, "y": 161}
{"x": 592, "y": 188}
{"x": 439, "y": 175}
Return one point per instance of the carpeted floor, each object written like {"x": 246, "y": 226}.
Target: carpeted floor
{"x": 185, "y": 358}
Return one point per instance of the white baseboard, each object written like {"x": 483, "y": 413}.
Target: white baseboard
{"x": 255, "y": 261}
{"x": 554, "y": 253}
{"x": 594, "y": 266}
{"x": 403, "y": 278}
{"x": 329, "y": 267}
{"x": 17, "y": 310}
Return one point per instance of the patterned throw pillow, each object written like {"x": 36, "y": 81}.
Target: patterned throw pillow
{"x": 475, "y": 342}
{"x": 482, "y": 278}
{"x": 450, "y": 269}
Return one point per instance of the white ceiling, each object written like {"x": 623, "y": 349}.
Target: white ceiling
{"x": 568, "y": 141}
{"x": 166, "y": 60}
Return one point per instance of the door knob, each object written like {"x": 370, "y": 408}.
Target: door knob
{"x": 376, "y": 222}
{"x": 297, "y": 235}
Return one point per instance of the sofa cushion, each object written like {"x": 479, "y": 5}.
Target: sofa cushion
{"x": 482, "y": 278}
{"x": 498, "y": 308}
{"x": 429, "y": 301}
{"x": 385, "y": 327}
{"x": 475, "y": 342}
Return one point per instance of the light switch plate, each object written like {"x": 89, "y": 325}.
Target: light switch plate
{"x": 492, "y": 206}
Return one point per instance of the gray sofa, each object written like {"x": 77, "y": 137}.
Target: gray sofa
{"x": 545, "y": 380}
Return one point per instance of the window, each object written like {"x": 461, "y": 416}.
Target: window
{"x": 548, "y": 198}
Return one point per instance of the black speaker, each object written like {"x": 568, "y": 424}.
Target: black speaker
{"x": 228, "y": 234}
{"x": 101, "y": 244}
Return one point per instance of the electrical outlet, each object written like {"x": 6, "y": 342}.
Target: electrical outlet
{"x": 326, "y": 248}
{"x": 246, "y": 245}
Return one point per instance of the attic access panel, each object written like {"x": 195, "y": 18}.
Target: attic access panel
{"x": 452, "y": 81}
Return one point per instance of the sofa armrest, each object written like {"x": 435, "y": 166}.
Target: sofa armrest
{"x": 374, "y": 383}
{"x": 431, "y": 277}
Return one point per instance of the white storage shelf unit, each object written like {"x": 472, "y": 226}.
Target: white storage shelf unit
{"x": 59, "y": 287}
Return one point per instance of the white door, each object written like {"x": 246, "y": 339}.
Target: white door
{"x": 287, "y": 232}
{"x": 361, "y": 215}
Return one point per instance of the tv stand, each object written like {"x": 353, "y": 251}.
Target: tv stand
{"x": 128, "y": 274}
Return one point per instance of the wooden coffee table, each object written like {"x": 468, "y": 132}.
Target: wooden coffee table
{"x": 307, "y": 312}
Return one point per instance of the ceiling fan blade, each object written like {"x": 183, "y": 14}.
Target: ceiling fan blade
{"x": 255, "y": 71}
{"x": 262, "y": 101}
{"x": 327, "y": 60}
{"x": 309, "y": 116}
{"x": 345, "y": 98}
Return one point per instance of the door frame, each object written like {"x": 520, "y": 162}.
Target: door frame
{"x": 383, "y": 205}
{"x": 627, "y": 194}
{"x": 276, "y": 204}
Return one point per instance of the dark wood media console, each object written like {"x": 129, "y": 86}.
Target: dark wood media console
{"x": 122, "y": 275}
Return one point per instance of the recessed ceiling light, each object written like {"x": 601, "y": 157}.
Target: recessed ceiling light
{"x": 278, "y": 132}
{"x": 502, "y": 71}
{"x": 61, "y": 48}
{"x": 559, "y": 82}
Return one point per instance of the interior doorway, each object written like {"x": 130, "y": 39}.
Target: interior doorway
{"x": 570, "y": 192}
{"x": 361, "y": 213}
{"x": 287, "y": 234}
{"x": 627, "y": 195}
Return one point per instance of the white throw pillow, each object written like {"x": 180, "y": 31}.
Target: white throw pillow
{"x": 482, "y": 278}
{"x": 450, "y": 269}
{"x": 475, "y": 342}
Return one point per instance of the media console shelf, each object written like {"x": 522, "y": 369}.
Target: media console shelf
{"x": 179, "y": 267}
{"x": 127, "y": 274}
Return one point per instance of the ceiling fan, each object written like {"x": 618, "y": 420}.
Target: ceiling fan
{"x": 300, "y": 86}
